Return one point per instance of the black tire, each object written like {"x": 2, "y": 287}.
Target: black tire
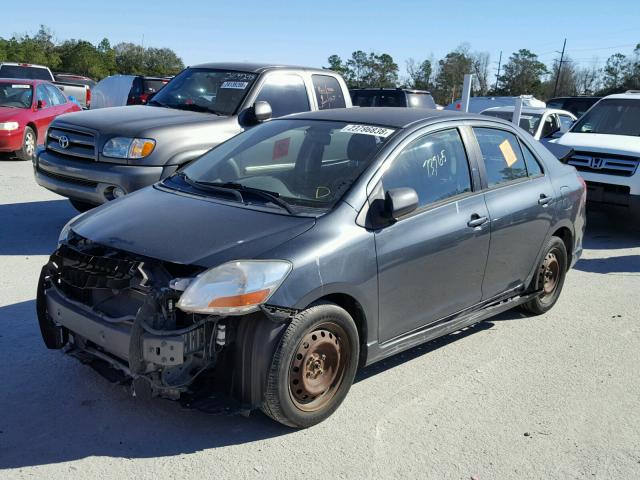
{"x": 81, "y": 206}
{"x": 317, "y": 331}
{"x": 29, "y": 144}
{"x": 550, "y": 277}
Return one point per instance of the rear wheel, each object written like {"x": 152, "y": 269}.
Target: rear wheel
{"x": 29, "y": 142}
{"x": 81, "y": 206}
{"x": 313, "y": 367}
{"x": 549, "y": 277}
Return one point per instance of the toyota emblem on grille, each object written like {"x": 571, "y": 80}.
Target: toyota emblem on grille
{"x": 597, "y": 163}
{"x": 63, "y": 141}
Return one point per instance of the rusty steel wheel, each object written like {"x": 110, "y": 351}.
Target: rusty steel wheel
{"x": 318, "y": 366}
{"x": 550, "y": 277}
{"x": 549, "y": 273}
{"x": 313, "y": 366}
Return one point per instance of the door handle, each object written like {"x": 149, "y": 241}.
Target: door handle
{"x": 544, "y": 200}
{"x": 477, "y": 221}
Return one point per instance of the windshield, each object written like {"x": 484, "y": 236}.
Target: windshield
{"x": 16, "y": 95}
{"x": 206, "y": 90}
{"x": 528, "y": 121}
{"x": 19, "y": 71}
{"x": 307, "y": 164}
{"x": 617, "y": 116}
{"x": 378, "y": 99}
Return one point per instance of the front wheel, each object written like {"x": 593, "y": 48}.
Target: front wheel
{"x": 549, "y": 277}
{"x": 313, "y": 367}
{"x": 29, "y": 142}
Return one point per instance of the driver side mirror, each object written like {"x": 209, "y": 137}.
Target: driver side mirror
{"x": 552, "y": 133}
{"x": 262, "y": 111}
{"x": 399, "y": 202}
{"x": 41, "y": 104}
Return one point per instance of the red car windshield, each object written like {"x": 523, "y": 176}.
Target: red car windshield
{"x": 16, "y": 95}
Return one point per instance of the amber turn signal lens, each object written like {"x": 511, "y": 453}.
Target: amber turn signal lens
{"x": 252, "y": 298}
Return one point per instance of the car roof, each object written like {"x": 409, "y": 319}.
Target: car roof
{"x": 398, "y": 117}
{"x": 256, "y": 67}
{"x": 27, "y": 81}
{"x": 390, "y": 89}
{"x": 629, "y": 94}
{"x": 529, "y": 110}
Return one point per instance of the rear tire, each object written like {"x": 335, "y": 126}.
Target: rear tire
{"x": 549, "y": 277}
{"x": 81, "y": 206}
{"x": 313, "y": 367}
{"x": 29, "y": 143}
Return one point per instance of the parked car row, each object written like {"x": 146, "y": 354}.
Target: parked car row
{"x": 285, "y": 239}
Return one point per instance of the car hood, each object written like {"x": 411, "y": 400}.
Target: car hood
{"x": 136, "y": 119}
{"x": 597, "y": 142}
{"x": 183, "y": 229}
{"x": 8, "y": 113}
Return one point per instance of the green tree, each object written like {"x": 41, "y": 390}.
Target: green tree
{"x": 419, "y": 74}
{"x": 162, "y": 62}
{"x": 81, "y": 57}
{"x": 616, "y": 73}
{"x": 523, "y": 74}
{"x": 451, "y": 71}
{"x": 337, "y": 65}
{"x": 130, "y": 59}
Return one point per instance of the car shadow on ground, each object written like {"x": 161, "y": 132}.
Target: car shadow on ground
{"x": 629, "y": 264}
{"x": 609, "y": 230}
{"x": 32, "y": 228}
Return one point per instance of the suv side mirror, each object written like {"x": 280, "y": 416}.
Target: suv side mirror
{"x": 553, "y": 133}
{"x": 262, "y": 111}
{"x": 399, "y": 202}
{"x": 41, "y": 104}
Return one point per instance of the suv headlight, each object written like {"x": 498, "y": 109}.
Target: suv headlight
{"x": 122, "y": 147}
{"x": 234, "y": 288}
{"x": 9, "y": 126}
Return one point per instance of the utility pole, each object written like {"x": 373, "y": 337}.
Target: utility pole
{"x": 498, "y": 74}
{"x": 555, "y": 88}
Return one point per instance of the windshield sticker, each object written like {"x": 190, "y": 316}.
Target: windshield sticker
{"x": 235, "y": 85}
{"x": 433, "y": 163}
{"x": 20, "y": 86}
{"x": 368, "y": 130}
{"x": 508, "y": 153}
{"x": 281, "y": 148}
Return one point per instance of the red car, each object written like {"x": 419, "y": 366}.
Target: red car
{"x": 27, "y": 107}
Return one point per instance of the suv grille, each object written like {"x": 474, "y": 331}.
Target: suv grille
{"x": 621, "y": 165}
{"x": 72, "y": 143}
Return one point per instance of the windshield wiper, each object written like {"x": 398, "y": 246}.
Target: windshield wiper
{"x": 273, "y": 197}
{"x": 211, "y": 186}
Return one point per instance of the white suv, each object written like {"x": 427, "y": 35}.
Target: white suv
{"x": 606, "y": 141}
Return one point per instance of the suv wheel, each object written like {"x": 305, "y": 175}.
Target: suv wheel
{"x": 550, "y": 277}
{"x": 313, "y": 367}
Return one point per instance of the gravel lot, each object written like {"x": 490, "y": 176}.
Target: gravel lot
{"x": 556, "y": 396}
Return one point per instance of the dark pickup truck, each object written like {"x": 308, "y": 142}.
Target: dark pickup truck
{"x": 95, "y": 156}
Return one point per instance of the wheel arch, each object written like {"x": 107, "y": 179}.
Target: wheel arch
{"x": 565, "y": 234}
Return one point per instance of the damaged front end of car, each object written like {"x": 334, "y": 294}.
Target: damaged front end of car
{"x": 112, "y": 308}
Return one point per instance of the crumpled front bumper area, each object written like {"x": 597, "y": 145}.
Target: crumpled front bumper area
{"x": 121, "y": 311}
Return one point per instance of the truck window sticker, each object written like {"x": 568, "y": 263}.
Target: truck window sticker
{"x": 235, "y": 85}
{"x": 368, "y": 130}
{"x": 281, "y": 148}
{"x": 507, "y": 153}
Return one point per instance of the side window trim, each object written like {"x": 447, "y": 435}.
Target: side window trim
{"x": 535, "y": 158}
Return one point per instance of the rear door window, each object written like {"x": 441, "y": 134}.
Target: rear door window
{"x": 328, "y": 92}
{"x": 286, "y": 93}
{"x": 503, "y": 158}
{"x": 57, "y": 97}
{"x": 42, "y": 95}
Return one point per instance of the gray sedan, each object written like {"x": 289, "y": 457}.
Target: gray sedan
{"x": 270, "y": 269}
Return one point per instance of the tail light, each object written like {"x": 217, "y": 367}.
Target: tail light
{"x": 88, "y": 101}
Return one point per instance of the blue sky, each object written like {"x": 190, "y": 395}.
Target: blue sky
{"x": 308, "y": 32}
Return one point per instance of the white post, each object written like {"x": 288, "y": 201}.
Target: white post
{"x": 517, "y": 111}
{"x": 466, "y": 92}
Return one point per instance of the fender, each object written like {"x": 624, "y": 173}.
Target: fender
{"x": 256, "y": 341}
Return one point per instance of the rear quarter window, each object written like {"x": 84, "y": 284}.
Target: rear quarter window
{"x": 328, "y": 92}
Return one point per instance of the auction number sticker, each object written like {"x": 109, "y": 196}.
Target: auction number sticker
{"x": 368, "y": 130}
{"x": 508, "y": 153}
{"x": 235, "y": 85}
